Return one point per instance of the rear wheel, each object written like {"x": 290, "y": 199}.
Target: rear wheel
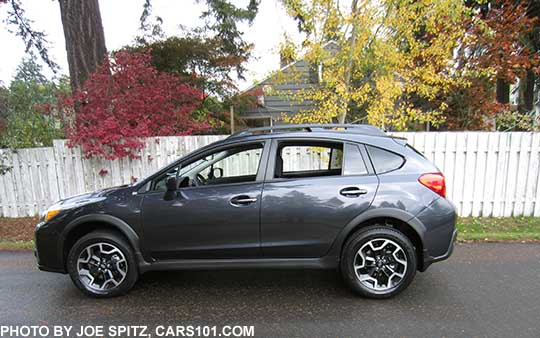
{"x": 102, "y": 264}
{"x": 378, "y": 262}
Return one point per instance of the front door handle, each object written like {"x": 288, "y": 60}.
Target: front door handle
{"x": 352, "y": 192}
{"x": 242, "y": 200}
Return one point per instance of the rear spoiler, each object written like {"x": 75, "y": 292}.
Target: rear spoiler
{"x": 399, "y": 140}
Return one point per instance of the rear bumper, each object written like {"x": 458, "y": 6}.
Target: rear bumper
{"x": 428, "y": 259}
{"x": 439, "y": 231}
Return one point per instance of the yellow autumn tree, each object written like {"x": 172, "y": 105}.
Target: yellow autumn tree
{"x": 386, "y": 62}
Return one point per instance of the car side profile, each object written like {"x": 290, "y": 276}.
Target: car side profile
{"x": 345, "y": 197}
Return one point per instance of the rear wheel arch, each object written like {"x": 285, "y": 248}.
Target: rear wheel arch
{"x": 87, "y": 224}
{"x": 393, "y": 218}
{"x": 397, "y": 224}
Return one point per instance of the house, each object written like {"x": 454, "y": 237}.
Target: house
{"x": 276, "y": 94}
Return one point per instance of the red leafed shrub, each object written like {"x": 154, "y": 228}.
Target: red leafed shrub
{"x": 127, "y": 99}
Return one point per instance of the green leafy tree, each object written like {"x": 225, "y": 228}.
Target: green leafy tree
{"x": 196, "y": 60}
{"x": 31, "y": 120}
{"x": 208, "y": 58}
{"x": 220, "y": 30}
{"x": 4, "y": 96}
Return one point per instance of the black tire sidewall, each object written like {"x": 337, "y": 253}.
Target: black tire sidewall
{"x": 358, "y": 239}
{"x": 106, "y": 237}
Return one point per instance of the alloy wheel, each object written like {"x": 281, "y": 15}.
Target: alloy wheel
{"x": 380, "y": 264}
{"x": 102, "y": 267}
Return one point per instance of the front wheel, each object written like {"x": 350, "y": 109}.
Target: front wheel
{"x": 101, "y": 264}
{"x": 378, "y": 262}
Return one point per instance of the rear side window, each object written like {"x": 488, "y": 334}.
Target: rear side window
{"x": 384, "y": 160}
{"x": 303, "y": 159}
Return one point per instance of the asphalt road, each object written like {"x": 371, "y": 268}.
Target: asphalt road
{"x": 483, "y": 290}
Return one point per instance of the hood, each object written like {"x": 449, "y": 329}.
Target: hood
{"x": 87, "y": 198}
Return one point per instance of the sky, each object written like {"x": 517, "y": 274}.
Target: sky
{"x": 121, "y": 22}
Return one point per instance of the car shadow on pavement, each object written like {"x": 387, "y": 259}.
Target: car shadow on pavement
{"x": 216, "y": 295}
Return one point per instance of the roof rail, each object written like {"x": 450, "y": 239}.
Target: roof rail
{"x": 365, "y": 129}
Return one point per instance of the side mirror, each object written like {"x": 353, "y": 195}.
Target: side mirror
{"x": 172, "y": 184}
{"x": 217, "y": 173}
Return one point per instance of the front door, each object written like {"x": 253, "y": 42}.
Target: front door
{"x": 314, "y": 189}
{"x": 215, "y": 211}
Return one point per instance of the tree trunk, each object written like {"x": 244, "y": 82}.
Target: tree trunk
{"x": 85, "y": 39}
{"x": 528, "y": 94}
{"x": 503, "y": 91}
{"x": 348, "y": 72}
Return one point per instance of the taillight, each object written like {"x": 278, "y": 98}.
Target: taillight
{"x": 435, "y": 182}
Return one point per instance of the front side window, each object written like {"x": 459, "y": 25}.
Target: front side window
{"x": 304, "y": 159}
{"x": 232, "y": 165}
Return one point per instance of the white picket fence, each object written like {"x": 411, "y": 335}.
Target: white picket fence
{"x": 488, "y": 173}
{"x": 41, "y": 176}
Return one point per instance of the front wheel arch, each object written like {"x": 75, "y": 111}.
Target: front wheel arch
{"x": 87, "y": 224}
{"x": 105, "y": 242}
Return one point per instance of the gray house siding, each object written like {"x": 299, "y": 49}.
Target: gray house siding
{"x": 279, "y": 97}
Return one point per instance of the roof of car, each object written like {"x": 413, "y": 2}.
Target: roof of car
{"x": 359, "y": 129}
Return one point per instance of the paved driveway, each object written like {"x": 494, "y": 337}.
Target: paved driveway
{"x": 484, "y": 290}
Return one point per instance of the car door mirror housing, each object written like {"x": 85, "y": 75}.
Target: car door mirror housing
{"x": 172, "y": 184}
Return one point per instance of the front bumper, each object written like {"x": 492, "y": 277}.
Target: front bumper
{"x": 46, "y": 268}
{"x": 47, "y": 254}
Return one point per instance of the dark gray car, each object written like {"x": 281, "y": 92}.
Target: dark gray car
{"x": 344, "y": 197}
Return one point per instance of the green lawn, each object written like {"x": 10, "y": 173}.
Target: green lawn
{"x": 16, "y": 245}
{"x": 499, "y": 229}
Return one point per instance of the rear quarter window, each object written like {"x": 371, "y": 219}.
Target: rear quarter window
{"x": 383, "y": 160}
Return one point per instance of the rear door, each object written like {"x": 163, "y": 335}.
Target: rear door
{"x": 313, "y": 188}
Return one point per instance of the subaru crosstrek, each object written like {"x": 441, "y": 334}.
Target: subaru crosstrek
{"x": 345, "y": 197}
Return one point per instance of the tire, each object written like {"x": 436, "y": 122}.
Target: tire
{"x": 101, "y": 264}
{"x": 378, "y": 254}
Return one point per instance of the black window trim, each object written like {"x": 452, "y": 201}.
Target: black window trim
{"x": 367, "y": 159}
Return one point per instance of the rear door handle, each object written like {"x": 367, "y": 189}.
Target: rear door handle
{"x": 242, "y": 200}
{"x": 352, "y": 192}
